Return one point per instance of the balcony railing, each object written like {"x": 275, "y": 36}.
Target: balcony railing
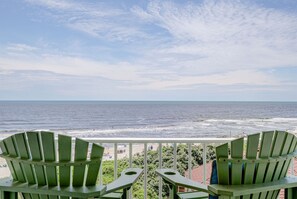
{"x": 114, "y": 143}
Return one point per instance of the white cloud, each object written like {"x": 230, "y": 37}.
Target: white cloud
{"x": 215, "y": 42}
{"x": 223, "y": 35}
{"x": 240, "y": 77}
{"x": 73, "y": 66}
{"x": 76, "y": 9}
{"x": 135, "y": 76}
{"x": 20, "y": 47}
{"x": 53, "y": 4}
{"x": 221, "y": 21}
{"x": 95, "y": 19}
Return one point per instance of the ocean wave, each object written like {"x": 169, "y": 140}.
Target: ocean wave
{"x": 196, "y": 128}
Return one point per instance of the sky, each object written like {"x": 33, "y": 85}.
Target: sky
{"x": 227, "y": 50}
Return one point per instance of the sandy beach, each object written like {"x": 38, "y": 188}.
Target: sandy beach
{"x": 4, "y": 170}
{"x": 123, "y": 150}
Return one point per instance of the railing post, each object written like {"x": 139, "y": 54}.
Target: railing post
{"x": 100, "y": 172}
{"x": 160, "y": 167}
{"x": 115, "y": 160}
{"x": 190, "y": 160}
{"x": 174, "y": 156}
{"x": 204, "y": 163}
{"x": 130, "y": 165}
{"x": 130, "y": 154}
{"x": 145, "y": 170}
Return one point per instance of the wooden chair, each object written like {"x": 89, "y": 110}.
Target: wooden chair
{"x": 42, "y": 169}
{"x": 256, "y": 170}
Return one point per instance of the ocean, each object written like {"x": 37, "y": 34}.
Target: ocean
{"x": 147, "y": 118}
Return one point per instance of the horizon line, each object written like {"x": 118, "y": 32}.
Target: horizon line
{"x": 84, "y": 100}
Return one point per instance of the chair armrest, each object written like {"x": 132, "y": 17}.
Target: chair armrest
{"x": 125, "y": 181}
{"x": 173, "y": 177}
{"x": 240, "y": 190}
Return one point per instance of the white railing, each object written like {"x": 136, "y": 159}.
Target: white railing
{"x": 159, "y": 141}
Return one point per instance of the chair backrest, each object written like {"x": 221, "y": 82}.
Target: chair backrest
{"x": 36, "y": 158}
{"x": 265, "y": 157}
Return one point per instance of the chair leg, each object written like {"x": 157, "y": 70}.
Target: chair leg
{"x": 125, "y": 194}
{"x": 291, "y": 193}
{"x": 173, "y": 192}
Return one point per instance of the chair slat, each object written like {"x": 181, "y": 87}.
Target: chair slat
{"x": 236, "y": 168}
{"x": 281, "y": 164}
{"x": 276, "y": 151}
{"x": 251, "y": 153}
{"x": 81, "y": 149}
{"x": 35, "y": 149}
{"x": 48, "y": 147}
{"x": 22, "y": 147}
{"x": 287, "y": 164}
{"x": 93, "y": 170}
{"x": 64, "y": 149}
{"x": 64, "y": 144}
{"x": 278, "y": 144}
{"x": 285, "y": 150}
{"x": 222, "y": 167}
{"x": 265, "y": 147}
{"x": 11, "y": 150}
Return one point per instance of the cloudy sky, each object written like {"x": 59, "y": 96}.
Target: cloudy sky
{"x": 148, "y": 50}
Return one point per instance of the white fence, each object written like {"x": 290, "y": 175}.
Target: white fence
{"x": 131, "y": 142}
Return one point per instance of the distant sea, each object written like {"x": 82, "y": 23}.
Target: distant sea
{"x": 147, "y": 118}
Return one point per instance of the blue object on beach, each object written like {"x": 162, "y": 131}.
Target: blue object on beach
{"x": 214, "y": 177}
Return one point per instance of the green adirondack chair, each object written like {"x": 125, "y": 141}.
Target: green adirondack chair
{"x": 256, "y": 170}
{"x": 42, "y": 169}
